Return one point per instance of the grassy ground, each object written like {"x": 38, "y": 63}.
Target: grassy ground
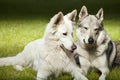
{"x": 16, "y": 33}
{"x": 22, "y": 21}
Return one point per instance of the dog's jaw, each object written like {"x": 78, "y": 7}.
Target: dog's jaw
{"x": 66, "y": 50}
{"x": 89, "y": 46}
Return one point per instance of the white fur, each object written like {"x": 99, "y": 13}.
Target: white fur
{"x": 46, "y": 55}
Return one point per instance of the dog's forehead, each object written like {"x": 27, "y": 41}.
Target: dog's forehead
{"x": 65, "y": 27}
{"x": 68, "y": 24}
{"x": 89, "y": 21}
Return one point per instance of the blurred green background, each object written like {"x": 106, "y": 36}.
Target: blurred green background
{"x": 22, "y": 21}
{"x": 47, "y": 8}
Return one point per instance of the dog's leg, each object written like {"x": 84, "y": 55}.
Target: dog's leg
{"x": 79, "y": 76}
{"x": 18, "y": 67}
{"x": 14, "y": 61}
{"x": 85, "y": 65}
{"x": 101, "y": 49}
{"x": 104, "y": 71}
{"x": 42, "y": 74}
{"x": 101, "y": 64}
{"x": 75, "y": 71}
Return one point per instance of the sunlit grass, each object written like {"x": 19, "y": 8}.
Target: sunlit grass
{"x": 15, "y": 34}
{"x": 112, "y": 27}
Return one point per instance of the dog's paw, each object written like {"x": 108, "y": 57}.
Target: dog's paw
{"x": 101, "y": 78}
{"x": 18, "y": 67}
{"x": 81, "y": 78}
{"x": 84, "y": 78}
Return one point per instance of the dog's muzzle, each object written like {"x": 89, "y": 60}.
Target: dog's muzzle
{"x": 90, "y": 40}
{"x": 73, "y": 47}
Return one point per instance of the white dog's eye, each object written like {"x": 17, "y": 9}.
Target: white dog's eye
{"x": 85, "y": 28}
{"x": 65, "y": 34}
{"x": 72, "y": 33}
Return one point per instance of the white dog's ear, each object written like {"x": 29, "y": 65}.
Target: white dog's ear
{"x": 83, "y": 13}
{"x": 99, "y": 15}
{"x": 57, "y": 19}
{"x": 72, "y": 15}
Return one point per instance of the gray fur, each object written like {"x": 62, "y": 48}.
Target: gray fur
{"x": 117, "y": 59}
{"x": 93, "y": 44}
{"x": 109, "y": 51}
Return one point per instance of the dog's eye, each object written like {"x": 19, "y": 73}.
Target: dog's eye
{"x": 65, "y": 34}
{"x": 96, "y": 29}
{"x": 85, "y": 28}
{"x": 72, "y": 33}
{"x": 79, "y": 25}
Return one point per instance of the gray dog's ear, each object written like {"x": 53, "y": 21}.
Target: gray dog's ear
{"x": 83, "y": 13}
{"x": 72, "y": 15}
{"x": 99, "y": 15}
{"x": 57, "y": 19}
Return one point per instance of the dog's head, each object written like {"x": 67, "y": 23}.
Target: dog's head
{"x": 60, "y": 30}
{"x": 89, "y": 26}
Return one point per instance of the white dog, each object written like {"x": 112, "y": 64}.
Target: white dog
{"x": 94, "y": 46}
{"x": 53, "y": 53}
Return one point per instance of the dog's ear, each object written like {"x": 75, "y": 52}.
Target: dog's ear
{"x": 57, "y": 19}
{"x": 72, "y": 15}
{"x": 99, "y": 15}
{"x": 83, "y": 13}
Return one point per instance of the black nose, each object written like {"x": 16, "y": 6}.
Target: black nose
{"x": 91, "y": 40}
{"x": 74, "y": 47}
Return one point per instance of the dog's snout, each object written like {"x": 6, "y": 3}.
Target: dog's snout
{"x": 91, "y": 40}
{"x": 74, "y": 47}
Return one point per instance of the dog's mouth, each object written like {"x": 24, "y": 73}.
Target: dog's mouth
{"x": 89, "y": 46}
{"x": 89, "y": 43}
{"x": 84, "y": 41}
{"x": 65, "y": 49}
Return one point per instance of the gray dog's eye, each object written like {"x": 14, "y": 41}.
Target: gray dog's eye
{"x": 79, "y": 25}
{"x": 72, "y": 33}
{"x": 97, "y": 29}
{"x": 65, "y": 34}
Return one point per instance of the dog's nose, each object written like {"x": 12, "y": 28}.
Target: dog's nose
{"x": 91, "y": 40}
{"x": 74, "y": 47}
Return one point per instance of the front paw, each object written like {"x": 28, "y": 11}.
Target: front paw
{"x": 101, "y": 78}
{"x": 81, "y": 78}
{"x": 18, "y": 67}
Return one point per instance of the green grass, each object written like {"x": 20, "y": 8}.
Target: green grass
{"x": 16, "y": 33}
{"x": 112, "y": 27}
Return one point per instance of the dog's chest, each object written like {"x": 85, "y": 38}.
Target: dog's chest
{"x": 57, "y": 60}
{"x": 90, "y": 56}
{"x": 93, "y": 59}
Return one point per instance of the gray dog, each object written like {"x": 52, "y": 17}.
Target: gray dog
{"x": 94, "y": 46}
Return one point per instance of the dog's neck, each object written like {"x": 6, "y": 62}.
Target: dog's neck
{"x": 54, "y": 45}
{"x": 68, "y": 53}
{"x": 90, "y": 47}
